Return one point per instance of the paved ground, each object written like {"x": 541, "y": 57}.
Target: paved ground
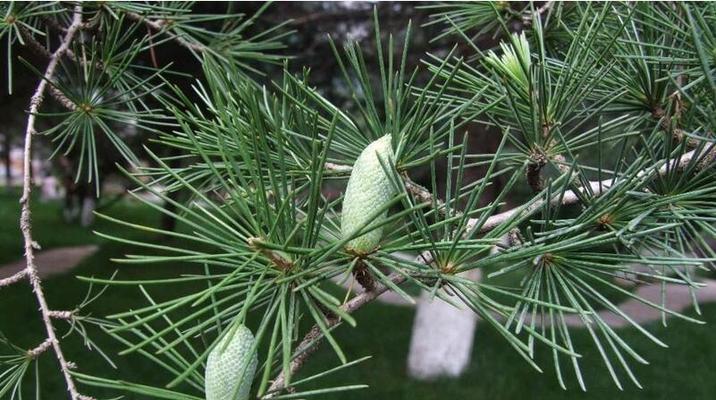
{"x": 51, "y": 262}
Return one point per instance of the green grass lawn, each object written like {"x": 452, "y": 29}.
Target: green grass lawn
{"x": 685, "y": 370}
{"x": 50, "y": 229}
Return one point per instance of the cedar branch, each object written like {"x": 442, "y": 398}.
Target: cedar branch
{"x": 17, "y": 277}
{"x": 41, "y": 50}
{"x": 311, "y": 340}
{"x": 162, "y": 26}
{"x": 309, "y": 343}
{"x": 25, "y": 215}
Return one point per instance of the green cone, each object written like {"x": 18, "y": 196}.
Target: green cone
{"x": 230, "y": 367}
{"x": 368, "y": 190}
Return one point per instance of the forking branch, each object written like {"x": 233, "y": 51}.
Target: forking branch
{"x": 26, "y": 214}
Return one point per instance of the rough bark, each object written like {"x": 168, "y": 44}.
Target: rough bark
{"x": 25, "y": 217}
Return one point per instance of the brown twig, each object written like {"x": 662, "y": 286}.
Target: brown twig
{"x": 279, "y": 259}
{"x": 533, "y": 173}
{"x": 25, "y": 215}
{"x": 421, "y": 193}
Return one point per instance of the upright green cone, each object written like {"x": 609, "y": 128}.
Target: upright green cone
{"x": 368, "y": 190}
{"x": 231, "y": 366}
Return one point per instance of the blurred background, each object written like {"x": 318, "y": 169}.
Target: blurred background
{"x": 64, "y": 222}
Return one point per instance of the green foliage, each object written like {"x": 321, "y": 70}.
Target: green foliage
{"x": 17, "y": 20}
{"x": 15, "y": 363}
{"x": 602, "y": 110}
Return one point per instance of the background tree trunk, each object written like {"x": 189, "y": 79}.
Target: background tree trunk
{"x": 87, "y": 212}
{"x": 442, "y": 339}
{"x": 6, "y": 160}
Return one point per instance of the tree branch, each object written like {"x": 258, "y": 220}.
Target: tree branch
{"x": 39, "y": 349}
{"x": 17, "y": 277}
{"x": 66, "y": 315}
{"x": 161, "y": 25}
{"x": 25, "y": 215}
{"x": 527, "y": 18}
{"x": 597, "y": 187}
{"x": 41, "y": 50}
{"x": 309, "y": 343}
{"x": 312, "y": 339}
{"x": 570, "y": 197}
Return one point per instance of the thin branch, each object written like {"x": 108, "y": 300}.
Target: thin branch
{"x": 422, "y": 194}
{"x": 597, "y": 187}
{"x": 162, "y": 25}
{"x": 39, "y": 349}
{"x": 312, "y": 339}
{"x": 527, "y": 18}
{"x": 17, "y": 277}
{"x": 338, "y": 168}
{"x": 25, "y": 216}
{"x": 277, "y": 258}
{"x": 41, "y": 50}
{"x": 66, "y": 315}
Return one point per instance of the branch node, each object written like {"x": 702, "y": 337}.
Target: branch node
{"x": 277, "y": 257}
{"x": 66, "y": 315}
{"x": 514, "y": 238}
{"x": 39, "y": 349}
{"x": 363, "y": 276}
{"x": 17, "y": 277}
{"x": 534, "y": 170}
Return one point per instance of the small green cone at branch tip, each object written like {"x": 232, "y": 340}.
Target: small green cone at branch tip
{"x": 231, "y": 366}
{"x": 369, "y": 189}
